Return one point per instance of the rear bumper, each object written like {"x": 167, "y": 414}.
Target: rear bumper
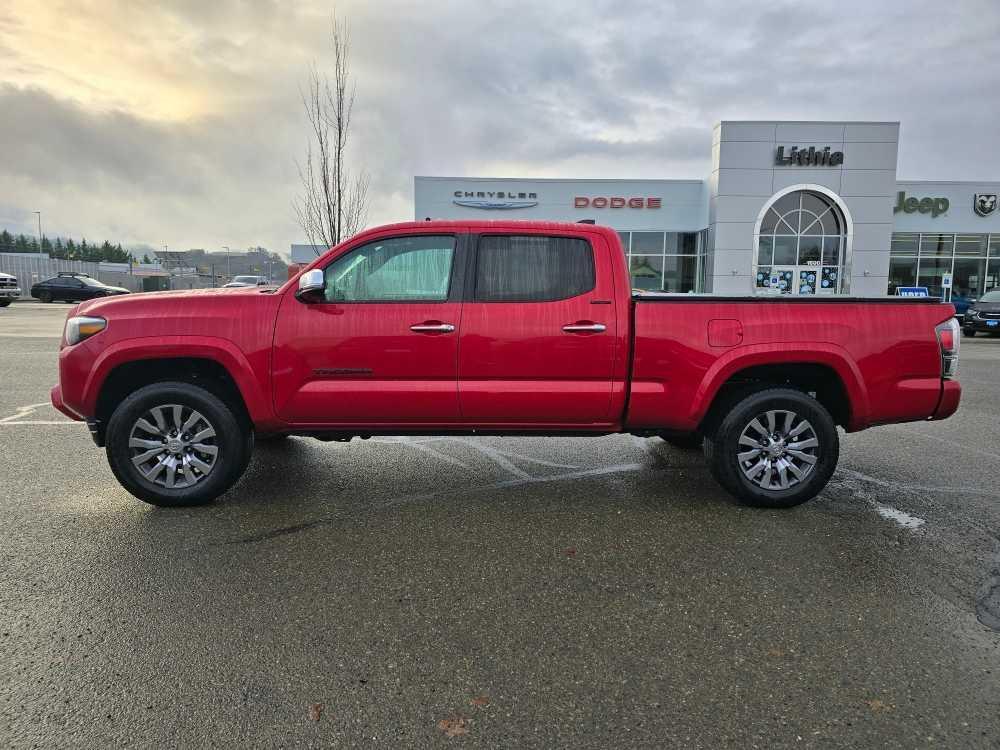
{"x": 951, "y": 394}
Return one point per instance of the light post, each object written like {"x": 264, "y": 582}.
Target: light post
{"x": 39, "y": 213}
{"x": 228, "y": 272}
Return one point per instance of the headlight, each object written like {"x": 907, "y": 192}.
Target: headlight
{"x": 82, "y": 327}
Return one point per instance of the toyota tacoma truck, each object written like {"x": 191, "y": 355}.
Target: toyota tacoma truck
{"x": 495, "y": 328}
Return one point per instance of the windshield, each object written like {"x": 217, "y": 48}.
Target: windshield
{"x": 245, "y": 279}
{"x": 990, "y": 297}
{"x": 89, "y": 281}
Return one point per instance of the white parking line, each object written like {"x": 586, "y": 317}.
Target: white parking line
{"x": 894, "y": 514}
{"x": 23, "y": 411}
{"x": 38, "y": 421}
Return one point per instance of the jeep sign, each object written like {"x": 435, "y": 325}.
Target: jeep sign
{"x": 933, "y": 206}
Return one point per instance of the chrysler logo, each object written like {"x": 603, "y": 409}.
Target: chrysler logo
{"x": 494, "y": 200}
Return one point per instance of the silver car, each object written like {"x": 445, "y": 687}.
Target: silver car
{"x": 239, "y": 281}
{"x": 9, "y": 290}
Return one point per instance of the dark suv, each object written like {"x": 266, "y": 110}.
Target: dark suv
{"x": 73, "y": 287}
{"x": 983, "y": 315}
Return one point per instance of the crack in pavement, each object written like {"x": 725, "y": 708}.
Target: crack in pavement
{"x": 988, "y": 598}
{"x": 405, "y": 499}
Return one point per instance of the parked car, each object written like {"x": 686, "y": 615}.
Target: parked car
{"x": 73, "y": 287}
{"x": 244, "y": 281}
{"x": 962, "y": 303}
{"x": 9, "y": 290}
{"x": 496, "y": 328}
{"x": 984, "y": 315}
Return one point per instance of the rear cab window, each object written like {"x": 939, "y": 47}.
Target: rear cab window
{"x": 533, "y": 268}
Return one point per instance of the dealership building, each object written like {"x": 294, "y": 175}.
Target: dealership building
{"x": 789, "y": 207}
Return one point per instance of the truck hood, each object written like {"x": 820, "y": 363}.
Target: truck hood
{"x": 162, "y": 302}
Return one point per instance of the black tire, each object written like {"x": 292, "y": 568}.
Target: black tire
{"x": 45, "y": 296}
{"x": 969, "y": 332}
{"x": 233, "y": 442}
{"x": 684, "y": 442}
{"x": 5, "y": 302}
{"x": 722, "y": 448}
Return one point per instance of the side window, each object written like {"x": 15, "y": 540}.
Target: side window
{"x": 533, "y": 268}
{"x": 400, "y": 269}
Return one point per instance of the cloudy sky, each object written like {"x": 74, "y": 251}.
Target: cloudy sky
{"x": 179, "y": 122}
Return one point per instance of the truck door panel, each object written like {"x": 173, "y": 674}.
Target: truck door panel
{"x": 539, "y": 331}
{"x": 382, "y": 347}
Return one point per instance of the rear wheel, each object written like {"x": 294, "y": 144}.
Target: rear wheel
{"x": 174, "y": 444}
{"x": 776, "y": 448}
{"x": 5, "y": 302}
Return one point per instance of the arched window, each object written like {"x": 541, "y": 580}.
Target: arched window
{"x": 801, "y": 244}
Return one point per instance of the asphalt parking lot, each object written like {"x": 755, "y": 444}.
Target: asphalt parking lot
{"x": 497, "y": 592}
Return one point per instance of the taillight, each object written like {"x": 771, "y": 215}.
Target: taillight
{"x": 948, "y": 338}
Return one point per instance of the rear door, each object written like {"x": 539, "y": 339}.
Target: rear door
{"x": 381, "y": 348}
{"x": 538, "y": 331}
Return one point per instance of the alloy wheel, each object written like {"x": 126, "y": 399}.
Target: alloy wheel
{"x": 778, "y": 449}
{"x": 173, "y": 446}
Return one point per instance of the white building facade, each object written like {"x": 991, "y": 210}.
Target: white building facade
{"x": 789, "y": 207}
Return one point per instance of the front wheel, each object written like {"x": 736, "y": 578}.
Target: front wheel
{"x": 969, "y": 332}
{"x": 776, "y": 448}
{"x": 45, "y": 296}
{"x": 5, "y": 302}
{"x": 175, "y": 444}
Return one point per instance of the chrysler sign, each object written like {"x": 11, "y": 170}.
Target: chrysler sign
{"x": 495, "y": 200}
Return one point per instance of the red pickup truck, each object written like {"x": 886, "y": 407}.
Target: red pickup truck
{"x": 495, "y": 328}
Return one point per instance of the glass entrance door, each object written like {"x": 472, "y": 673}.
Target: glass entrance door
{"x": 802, "y": 280}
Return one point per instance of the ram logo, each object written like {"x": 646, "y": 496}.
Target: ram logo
{"x": 984, "y": 203}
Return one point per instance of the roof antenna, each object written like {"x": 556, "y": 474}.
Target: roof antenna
{"x": 587, "y": 221}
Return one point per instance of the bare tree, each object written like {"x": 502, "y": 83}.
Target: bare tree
{"x": 334, "y": 202}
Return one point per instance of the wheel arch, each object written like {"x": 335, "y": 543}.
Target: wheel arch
{"x": 829, "y": 374}
{"x": 216, "y": 365}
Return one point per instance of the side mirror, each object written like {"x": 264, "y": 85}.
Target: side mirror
{"x": 311, "y": 286}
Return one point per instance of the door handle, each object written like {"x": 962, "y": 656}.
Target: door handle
{"x": 432, "y": 327}
{"x": 585, "y": 328}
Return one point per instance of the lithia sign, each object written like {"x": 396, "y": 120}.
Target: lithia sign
{"x": 808, "y": 157}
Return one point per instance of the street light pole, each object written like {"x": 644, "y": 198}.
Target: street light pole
{"x": 228, "y": 272}
{"x": 39, "y": 230}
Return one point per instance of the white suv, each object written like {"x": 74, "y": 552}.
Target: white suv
{"x": 9, "y": 291}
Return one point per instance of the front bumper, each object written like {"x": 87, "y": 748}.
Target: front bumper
{"x": 56, "y": 397}
{"x": 10, "y": 293}
{"x": 981, "y": 325}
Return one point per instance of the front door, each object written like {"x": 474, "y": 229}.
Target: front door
{"x": 539, "y": 331}
{"x": 803, "y": 280}
{"x": 382, "y": 346}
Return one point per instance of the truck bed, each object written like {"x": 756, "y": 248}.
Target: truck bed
{"x": 882, "y": 350}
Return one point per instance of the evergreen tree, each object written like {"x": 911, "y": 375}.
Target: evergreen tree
{"x": 46, "y": 246}
{"x": 72, "y": 253}
{"x": 20, "y": 244}
{"x": 6, "y": 242}
{"x": 146, "y": 258}
{"x": 59, "y": 251}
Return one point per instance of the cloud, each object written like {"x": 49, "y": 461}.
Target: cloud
{"x": 180, "y": 124}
